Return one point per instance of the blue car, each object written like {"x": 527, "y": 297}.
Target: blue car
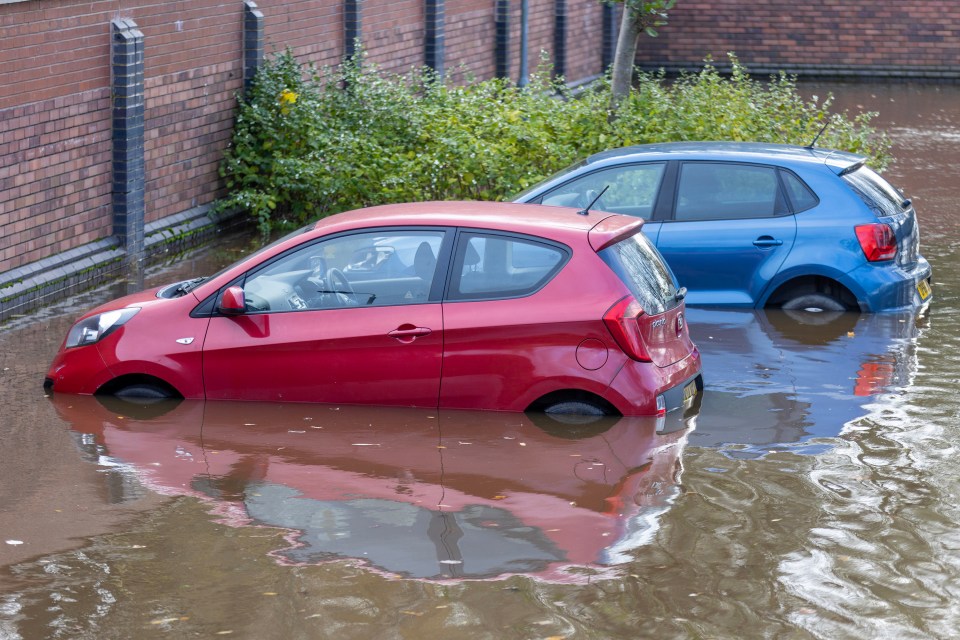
{"x": 760, "y": 225}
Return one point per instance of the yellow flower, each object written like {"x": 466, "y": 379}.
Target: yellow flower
{"x": 287, "y": 96}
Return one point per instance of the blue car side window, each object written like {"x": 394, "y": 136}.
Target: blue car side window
{"x": 801, "y": 196}
{"x": 726, "y": 190}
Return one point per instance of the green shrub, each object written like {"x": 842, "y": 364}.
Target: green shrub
{"x": 307, "y": 144}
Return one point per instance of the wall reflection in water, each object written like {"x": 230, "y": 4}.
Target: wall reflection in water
{"x": 778, "y": 380}
{"x": 410, "y": 492}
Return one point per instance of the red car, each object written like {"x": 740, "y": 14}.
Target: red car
{"x": 461, "y": 305}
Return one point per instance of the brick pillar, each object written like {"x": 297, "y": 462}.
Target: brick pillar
{"x": 434, "y": 35}
{"x": 608, "y": 45}
{"x": 128, "y": 137}
{"x": 560, "y": 37}
{"x": 252, "y": 41}
{"x": 352, "y": 12}
{"x": 501, "y": 49}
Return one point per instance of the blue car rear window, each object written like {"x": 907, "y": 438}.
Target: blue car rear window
{"x": 642, "y": 269}
{"x": 878, "y": 194}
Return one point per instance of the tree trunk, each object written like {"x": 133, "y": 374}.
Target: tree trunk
{"x": 624, "y": 58}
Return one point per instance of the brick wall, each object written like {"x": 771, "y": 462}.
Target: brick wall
{"x": 874, "y": 38}
{"x": 192, "y": 68}
{"x": 54, "y": 131}
{"x": 314, "y": 30}
{"x": 539, "y": 35}
{"x": 55, "y": 175}
{"x": 55, "y": 108}
{"x": 393, "y": 34}
{"x": 583, "y": 41}
{"x": 469, "y": 36}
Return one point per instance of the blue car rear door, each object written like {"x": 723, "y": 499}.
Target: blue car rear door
{"x": 729, "y": 234}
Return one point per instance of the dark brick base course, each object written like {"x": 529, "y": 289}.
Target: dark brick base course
{"x": 90, "y": 265}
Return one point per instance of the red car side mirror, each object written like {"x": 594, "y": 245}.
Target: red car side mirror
{"x": 231, "y": 302}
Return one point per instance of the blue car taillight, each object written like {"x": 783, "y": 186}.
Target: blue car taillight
{"x": 878, "y": 241}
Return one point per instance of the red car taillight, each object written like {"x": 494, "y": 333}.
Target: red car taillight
{"x": 877, "y": 241}
{"x": 623, "y": 321}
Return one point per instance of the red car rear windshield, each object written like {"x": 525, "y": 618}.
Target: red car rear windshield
{"x": 641, "y": 268}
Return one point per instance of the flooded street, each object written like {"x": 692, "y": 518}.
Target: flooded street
{"x": 813, "y": 495}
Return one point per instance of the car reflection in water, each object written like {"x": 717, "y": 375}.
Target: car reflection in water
{"x": 779, "y": 380}
{"x": 410, "y": 492}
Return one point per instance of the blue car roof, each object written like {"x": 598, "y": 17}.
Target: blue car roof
{"x": 756, "y": 151}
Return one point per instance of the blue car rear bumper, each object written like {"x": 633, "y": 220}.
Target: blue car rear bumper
{"x": 880, "y": 287}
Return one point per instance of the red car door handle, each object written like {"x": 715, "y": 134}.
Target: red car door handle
{"x": 408, "y": 332}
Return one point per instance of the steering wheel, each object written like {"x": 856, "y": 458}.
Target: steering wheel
{"x": 338, "y": 284}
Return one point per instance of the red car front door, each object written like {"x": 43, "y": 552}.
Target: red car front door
{"x": 357, "y": 355}
{"x": 347, "y": 319}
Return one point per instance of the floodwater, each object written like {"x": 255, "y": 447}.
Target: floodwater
{"x": 814, "y": 494}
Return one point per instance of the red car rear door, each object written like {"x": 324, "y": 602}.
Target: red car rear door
{"x": 359, "y": 355}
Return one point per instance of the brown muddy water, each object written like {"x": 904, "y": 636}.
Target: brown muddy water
{"x": 815, "y": 495}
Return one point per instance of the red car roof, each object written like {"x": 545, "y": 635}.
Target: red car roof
{"x": 539, "y": 220}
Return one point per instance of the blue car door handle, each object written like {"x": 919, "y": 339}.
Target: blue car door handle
{"x": 767, "y": 241}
